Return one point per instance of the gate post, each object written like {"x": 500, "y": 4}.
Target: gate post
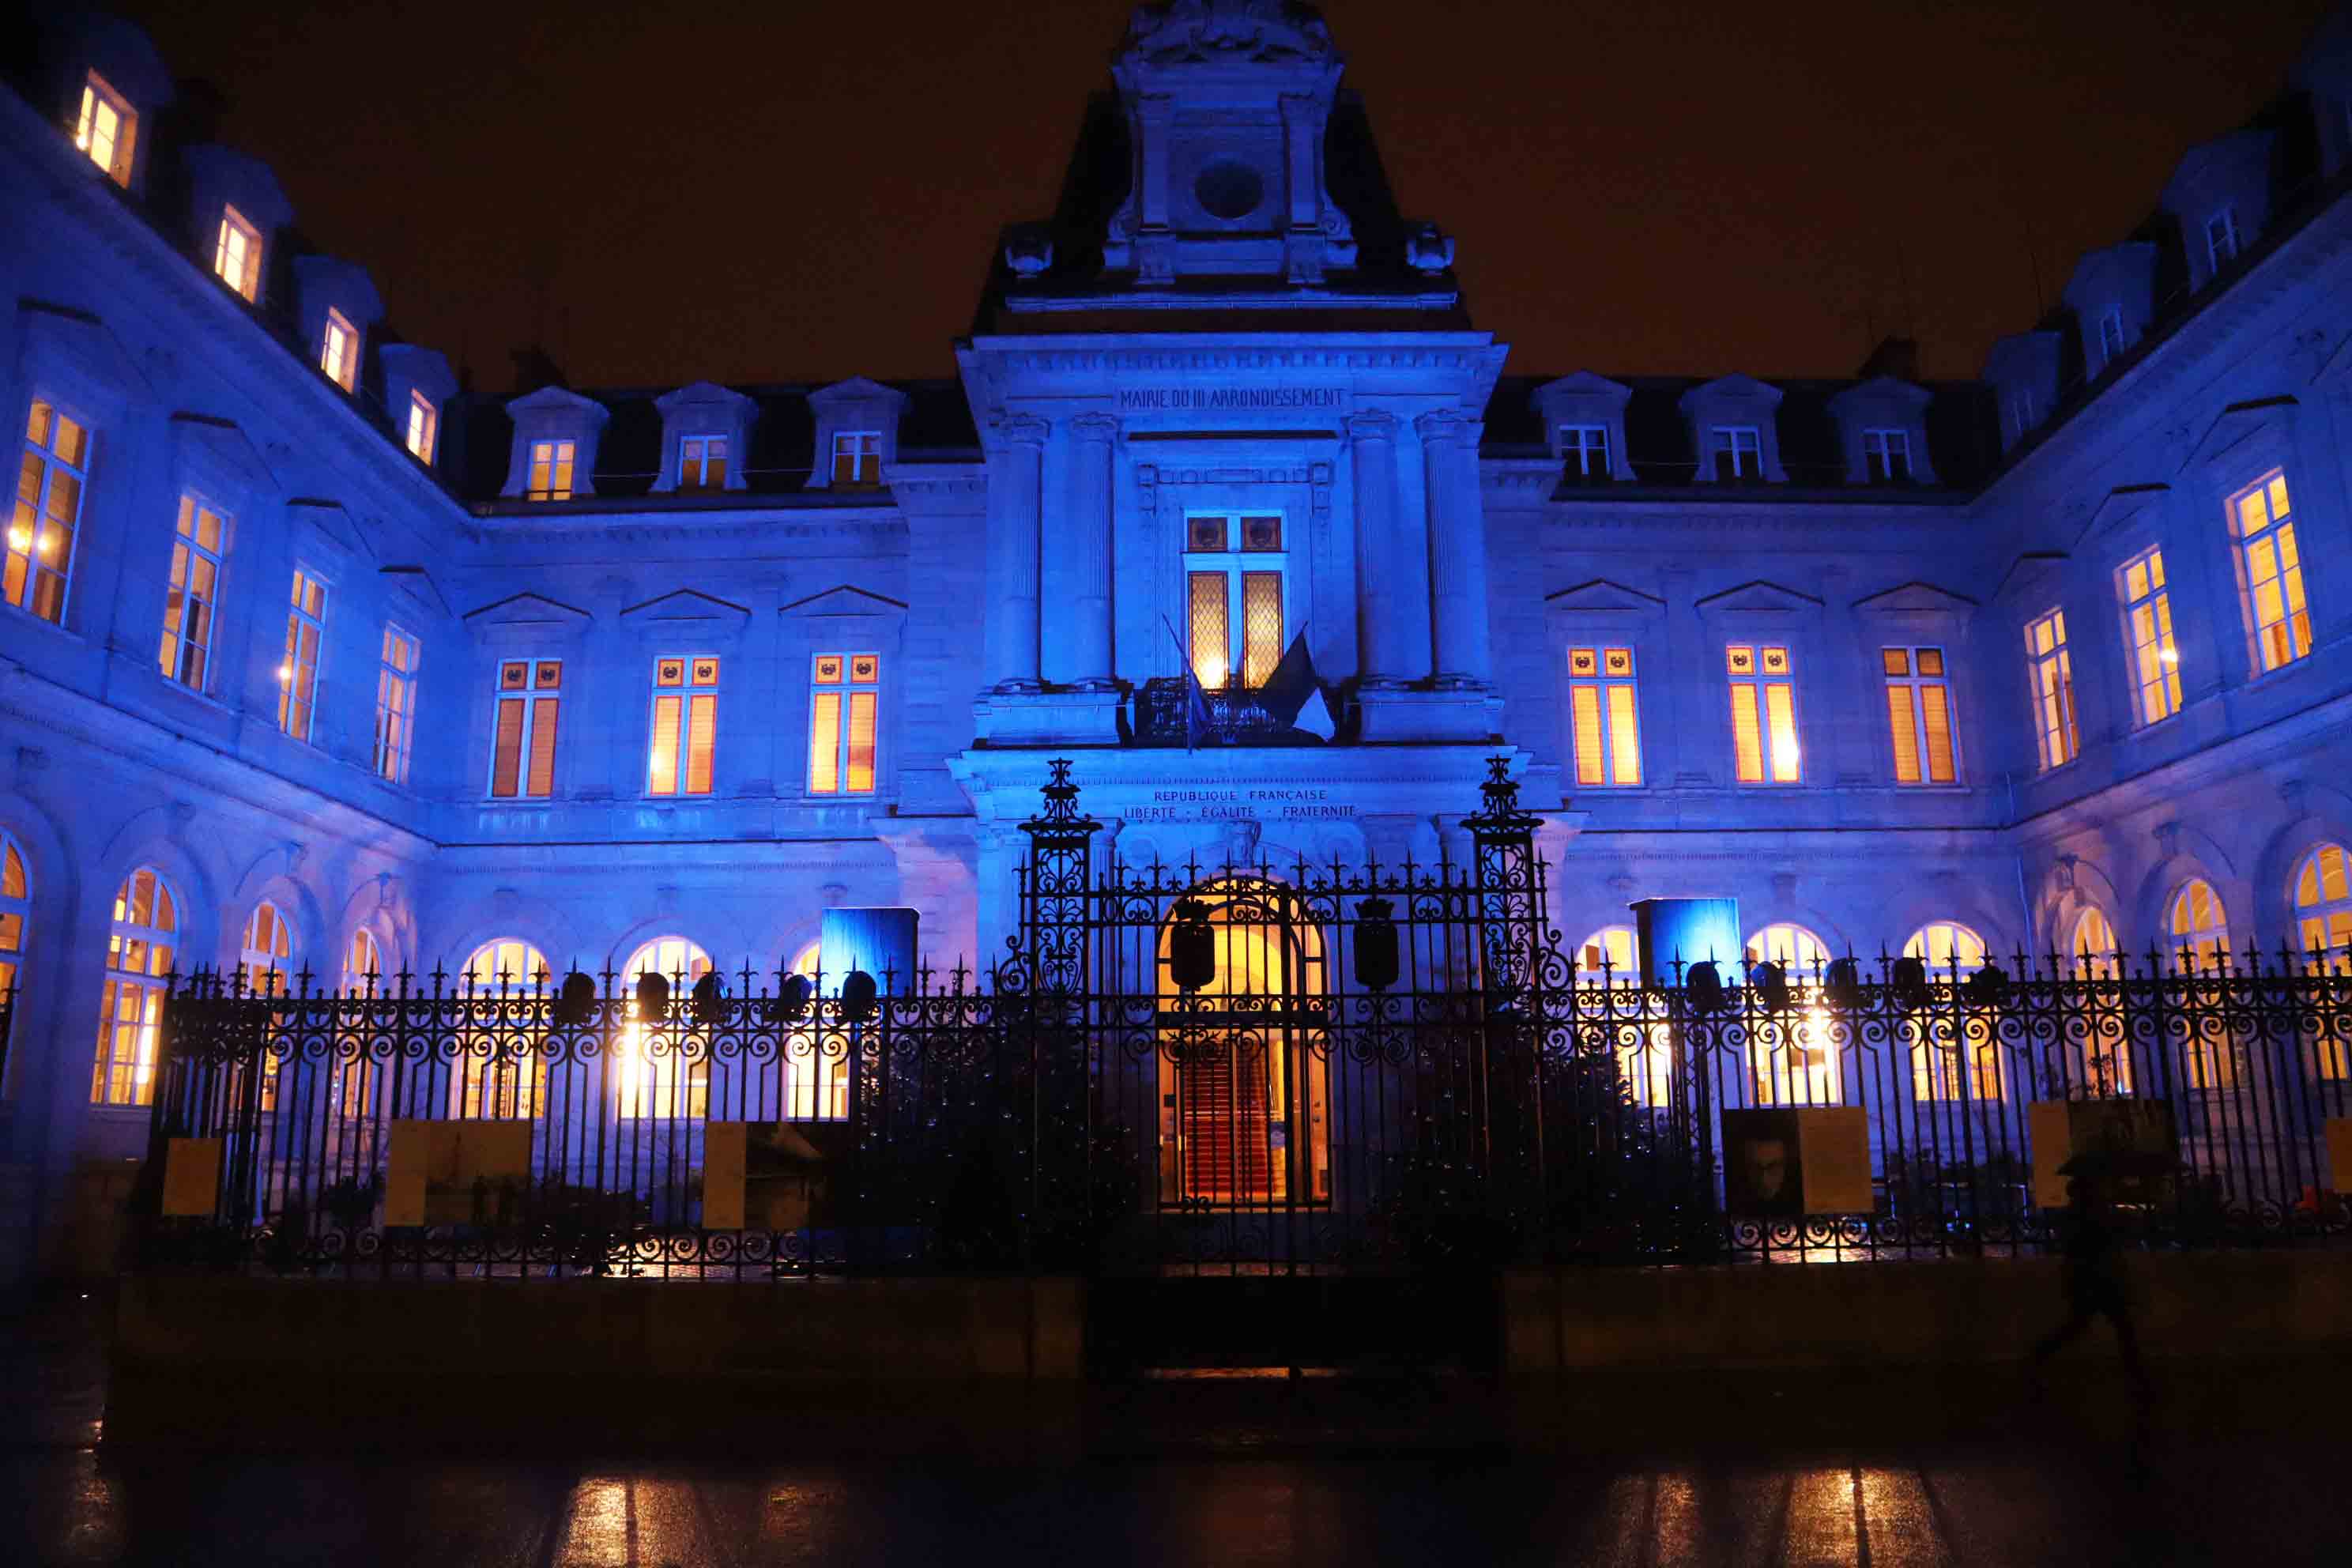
{"x": 1521, "y": 969}
{"x": 1053, "y": 1043}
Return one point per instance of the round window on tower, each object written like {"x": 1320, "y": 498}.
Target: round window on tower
{"x": 1229, "y": 190}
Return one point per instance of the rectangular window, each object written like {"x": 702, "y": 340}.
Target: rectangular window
{"x": 106, "y": 129}
{"x": 339, "y": 351}
{"x": 2274, "y": 568}
{"x": 46, "y": 517}
{"x": 1739, "y": 452}
{"x": 1235, "y": 596}
{"x": 194, "y": 589}
{"x": 423, "y": 426}
{"x": 298, "y": 671}
{"x": 2148, "y": 620}
{"x": 686, "y": 725}
{"x": 1586, "y": 448}
{"x": 1763, "y": 714}
{"x": 702, "y": 463}
{"x": 2111, "y": 335}
{"x": 857, "y": 457}
{"x": 1601, "y": 700}
{"x": 1886, "y": 456}
{"x": 2222, "y": 238}
{"x": 844, "y": 712}
{"x": 1919, "y": 715}
{"x": 2052, "y": 676}
{"x": 550, "y": 471}
{"x": 237, "y": 258}
{"x": 396, "y": 704}
{"x": 522, "y": 754}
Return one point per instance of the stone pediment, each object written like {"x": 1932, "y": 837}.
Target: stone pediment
{"x": 1914, "y": 596}
{"x": 1732, "y": 388}
{"x": 527, "y": 609}
{"x": 858, "y": 389}
{"x": 415, "y": 586}
{"x": 1583, "y": 383}
{"x": 556, "y": 400}
{"x": 685, "y": 607}
{"x": 844, "y": 600}
{"x": 217, "y": 448}
{"x": 2035, "y": 572}
{"x": 2119, "y": 506}
{"x": 1759, "y": 597}
{"x": 2239, "y": 422}
{"x": 700, "y": 394}
{"x": 335, "y": 521}
{"x": 1601, "y": 594}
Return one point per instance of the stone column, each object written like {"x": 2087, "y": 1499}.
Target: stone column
{"x": 1392, "y": 580}
{"x": 1016, "y": 468}
{"x": 1081, "y": 537}
{"x": 1457, "y": 548}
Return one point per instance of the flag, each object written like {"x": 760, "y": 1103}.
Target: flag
{"x": 1293, "y": 697}
{"x": 1196, "y": 701}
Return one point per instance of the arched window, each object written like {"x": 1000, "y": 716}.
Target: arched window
{"x": 362, "y": 964}
{"x": 139, "y": 952}
{"x": 268, "y": 951}
{"x": 1951, "y": 950}
{"x": 652, "y": 1074}
{"x": 816, "y": 1064}
{"x": 2103, "y": 1054}
{"x": 16, "y": 912}
{"x": 1792, "y": 947}
{"x": 1796, "y": 1061}
{"x": 1947, "y": 947}
{"x": 1610, "y": 950}
{"x": 2323, "y": 905}
{"x": 352, "y": 1091}
{"x": 503, "y": 980}
{"x": 1644, "y": 1052}
{"x": 2200, "y": 931}
{"x": 2095, "y": 953}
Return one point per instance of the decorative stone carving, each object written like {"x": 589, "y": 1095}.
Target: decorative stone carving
{"x": 1267, "y": 32}
{"x": 1430, "y": 250}
{"x": 1029, "y": 250}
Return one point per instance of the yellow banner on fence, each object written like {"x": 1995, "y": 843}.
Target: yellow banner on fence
{"x": 191, "y": 1171}
{"x": 455, "y": 1172}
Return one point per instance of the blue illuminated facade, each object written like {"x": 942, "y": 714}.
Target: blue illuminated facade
{"x": 583, "y": 669}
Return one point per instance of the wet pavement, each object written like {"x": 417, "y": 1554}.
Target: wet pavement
{"x": 2076, "y": 1479}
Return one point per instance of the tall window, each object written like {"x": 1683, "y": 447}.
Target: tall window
{"x": 195, "y": 586}
{"x": 550, "y": 471}
{"x": 1886, "y": 454}
{"x": 1795, "y": 1062}
{"x": 1919, "y": 715}
{"x": 298, "y": 671}
{"x": 48, "y": 514}
{"x": 1737, "y": 451}
{"x": 2102, "y": 1052}
{"x": 1645, "y": 1053}
{"x": 362, "y": 964}
{"x": 106, "y": 129}
{"x": 857, "y": 457}
{"x": 1951, "y": 950}
{"x": 816, "y": 1064}
{"x": 1763, "y": 714}
{"x": 237, "y": 256}
{"x": 423, "y": 426}
{"x": 2095, "y": 948}
{"x": 702, "y": 463}
{"x": 658, "y": 1070}
{"x": 266, "y": 954}
{"x": 16, "y": 912}
{"x": 1234, "y": 614}
{"x": 1586, "y": 448}
{"x": 2274, "y": 568}
{"x": 1608, "y": 727}
{"x": 2051, "y": 672}
{"x": 351, "y": 1088}
{"x": 2147, "y": 616}
{"x": 505, "y": 1070}
{"x": 138, "y": 955}
{"x": 685, "y": 726}
{"x": 339, "y": 351}
{"x": 844, "y": 704}
{"x": 2323, "y": 902}
{"x": 2222, "y": 238}
{"x": 2111, "y": 335}
{"x": 2200, "y": 943}
{"x": 523, "y": 752}
{"x": 396, "y": 704}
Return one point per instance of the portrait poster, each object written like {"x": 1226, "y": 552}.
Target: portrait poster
{"x": 1763, "y": 1173}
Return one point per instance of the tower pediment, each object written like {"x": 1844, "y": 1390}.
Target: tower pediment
{"x": 1189, "y": 32}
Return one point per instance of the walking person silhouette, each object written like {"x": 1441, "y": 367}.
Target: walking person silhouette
{"x": 2094, "y": 1276}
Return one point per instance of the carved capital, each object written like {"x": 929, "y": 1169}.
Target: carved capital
{"x": 1021, "y": 430}
{"x": 1099, "y": 427}
{"x": 1371, "y": 425}
{"x": 1441, "y": 426}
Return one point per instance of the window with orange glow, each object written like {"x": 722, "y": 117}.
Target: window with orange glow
{"x": 1236, "y": 611}
{"x": 2272, "y": 563}
{"x": 107, "y": 128}
{"x": 2051, "y": 671}
{"x": 845, "y": 722}
{"x": 236, "y": 254}
{"x": 298, "y": 667}
{"x": 339, "y": 351}
{"x": 659, "y": 1069}
{"x": 2148, "y": 620}
{"x": 550, "y": 471}
{"x": 16, "y": 911}
{"x": 193, "y": 589}
{"x": 1919, "y": 715}
{"x": 45, "y": 518}
{"x": 1763, "y": 714}
{"x": 139, "y": 947}
{"x": 1607, "y": 716}
{"x": 683, "y": 754}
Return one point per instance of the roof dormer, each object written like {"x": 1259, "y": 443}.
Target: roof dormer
{"x": 336, "y": 306}
{"x": 705, "y": 436}
{"x": 1882, "y": 427}
{"x": 236, "y": 212}
{"x": 1734, "y": 423}
{"x": 1584, "y": 426}
{"x": 2113, "y": 296}
{"x": 555, "y": 437}
{"x": 109, "y": 84}
{"x": 418, "y": 385}
{"x": 2324, "y": 72}
{"x": 2022, "y": 369}
{"x": 857, "y": 431}
{"x": 2221, "y": 194}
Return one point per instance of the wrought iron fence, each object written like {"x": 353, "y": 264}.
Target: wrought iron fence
{"x": 1244, "y": 1069}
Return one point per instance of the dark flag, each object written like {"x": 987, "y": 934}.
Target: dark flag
{"x": 1197, "y": 722}
{"x": 1292, "y": 696}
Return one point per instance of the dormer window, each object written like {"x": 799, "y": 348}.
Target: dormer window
{"x": 1886, "y": 456}
{"x": 2222, "y": 238}
{"x": 2111, "y": 335}
{"x": 106, "y": 129}
{"x": 1737, "y": 452}
{"x": 550, "y": 471}
{"x": 339, "y": 351}
{"x": 424, "y": 427}
{"x": 857, "y": 457}
{"x": 702, "y": 463}
{"x": 1586, "y": 449}
{"x": 237, "y": 258}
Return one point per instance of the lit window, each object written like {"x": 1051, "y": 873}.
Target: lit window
{"x": 2052, "y": 674}
{"x": 106, "y": 129}
{"x": 2111, "y": 335}
{"x": 2273, "y": 571}
{"x": 362, "y": 964}
{"x": 2147, "y": 617}
{"x": 658, "y": 1070}
{"x": 1886, "y": 456}
{"x": 1763, "y": 714}
{"x": 194, "y": 589}
{"x": 236, "y": 257}
{"x": 2025, "y": 413}
{"x": 2200, "y": 942}
{"x": 396, "y": 704}
{"x": 351, "y": 1086}
{"x": 1644, "y": 1053}
{"x": 1953, "y": 952}
{"x": 1919, "y": 715}
{"x": 339, "y": 351}
{"x": 505, "y": 1073}
{"x": 2323, "y": 913}
{"x": 2222, "y": 238}
{"x": 297, "y": 671}
{"x": 423, "y": 426}
{"x": 1738, "y": 451}
{"x": 1234, "y": 571}
{"x": 702, "y": 463}
{"x": 46, "y": 518}
{"x": 2102, "y": 1052}
{"x": 1792, "y": 947}
{"x": 2096, "y": 950}
{"x": 266, "y": 954}
{"x": 523, "y": 752}
{"x": 550, "y": 471}
{"x": 1586, "y": 448}
{"x": 16, "y": 912}
{"x": 857, "y": 457}
{"x": 685, "y": 726}
{"x": 1607, "y": 730}
{"x": 138, "y": 955}
{"x": 844, "y": 708}
{"x": 816, "y": 1064}
{"x": 1796, "y": 1062}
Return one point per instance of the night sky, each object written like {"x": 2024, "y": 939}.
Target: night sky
{"x": 800, "y": 190}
